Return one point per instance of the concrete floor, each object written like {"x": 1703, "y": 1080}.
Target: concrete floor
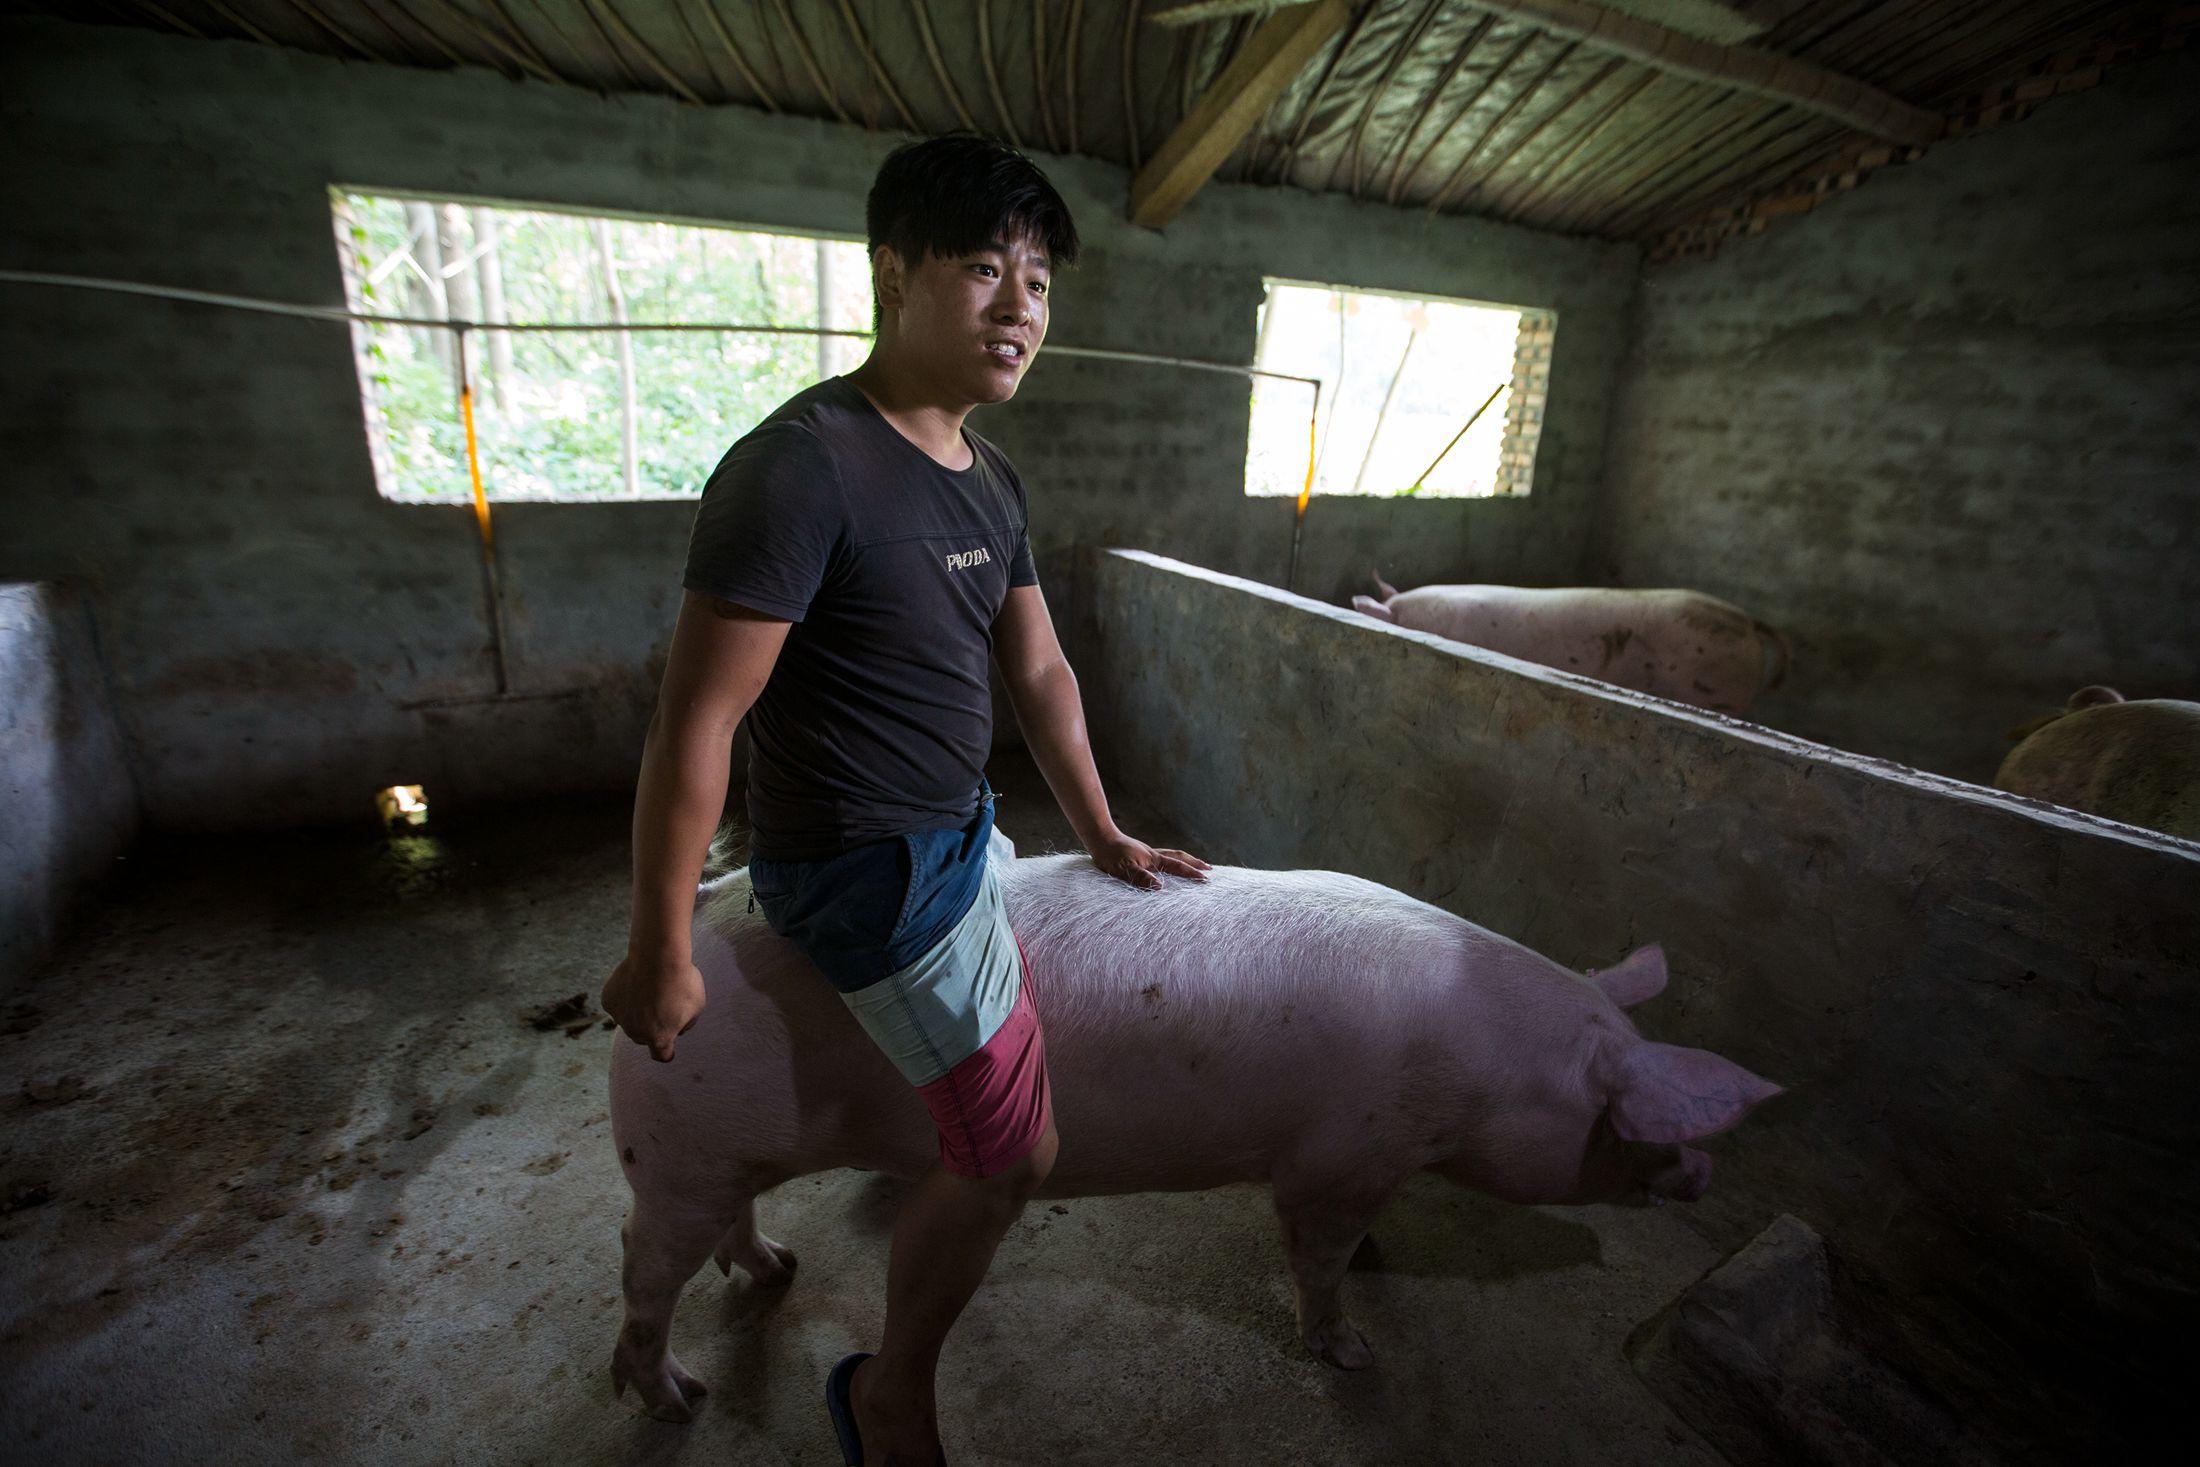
{"x": 290, "y": 1177}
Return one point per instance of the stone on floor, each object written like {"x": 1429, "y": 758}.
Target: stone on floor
{"x": 1760, "y": 1357}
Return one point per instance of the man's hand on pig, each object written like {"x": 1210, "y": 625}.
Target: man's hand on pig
{"x": 655, "y": 1003}
{"x": 1138, "y": 864}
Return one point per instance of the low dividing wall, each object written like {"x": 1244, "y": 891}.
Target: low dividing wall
{"x": 68, "y": 806}
{"x": 1987, "y": 1009}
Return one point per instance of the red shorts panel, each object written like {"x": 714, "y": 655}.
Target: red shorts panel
{"x": 992, "y": 1108}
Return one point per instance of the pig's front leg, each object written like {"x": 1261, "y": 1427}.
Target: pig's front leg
{"x": 1321, "y": 1228}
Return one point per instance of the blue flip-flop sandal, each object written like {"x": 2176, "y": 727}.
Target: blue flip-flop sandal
{"x": 843, "y": 1412}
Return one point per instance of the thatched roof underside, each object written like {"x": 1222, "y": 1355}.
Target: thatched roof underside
{"x": 1426, "y": 104}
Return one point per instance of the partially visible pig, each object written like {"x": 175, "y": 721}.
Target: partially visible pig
{"x": 1681, "y": 645}
{"x": 1313, "y": 1031}
{"x": 2136, "y": 761}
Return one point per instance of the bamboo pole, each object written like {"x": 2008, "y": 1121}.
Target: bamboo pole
{"x": 1382, "y": 414}
{"x": 629, "y": 457}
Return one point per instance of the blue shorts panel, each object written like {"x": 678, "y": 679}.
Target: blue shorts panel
{"x": 877, "y": 908}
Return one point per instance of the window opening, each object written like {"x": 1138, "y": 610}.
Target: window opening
{"x": 1427, "y": 397}
{"x": 613, "y": 407}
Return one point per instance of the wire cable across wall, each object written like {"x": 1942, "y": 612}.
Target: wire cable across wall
{"x": 477, "y": 489}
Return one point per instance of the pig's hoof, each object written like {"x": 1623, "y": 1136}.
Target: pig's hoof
{"x": 782, "y": 1263}
{"x": 669, "y": 1392}
{"x": 766, "y": 1262}
{"x": 1340, "y": 1344}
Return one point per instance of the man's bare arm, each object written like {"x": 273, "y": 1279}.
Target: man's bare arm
{"x": 1044, "y": 690}
{"x": 721, "y": 655}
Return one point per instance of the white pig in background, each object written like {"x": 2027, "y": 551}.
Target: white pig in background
{"x": 1683, "y": 645}
{"x": 2134, "y": 760}
{"x": 1319, "y": 1033}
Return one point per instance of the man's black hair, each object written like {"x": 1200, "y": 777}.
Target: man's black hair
{"x": 959, "y": 194}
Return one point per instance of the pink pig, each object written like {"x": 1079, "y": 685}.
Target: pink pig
{"x": 1683, "y": 645}
{"x": 1310, "y": 1030}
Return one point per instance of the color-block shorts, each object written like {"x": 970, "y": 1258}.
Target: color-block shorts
{"x": 913, "y": 932}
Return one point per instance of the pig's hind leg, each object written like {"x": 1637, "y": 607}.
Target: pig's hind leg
{"x": 1321, "y": 1230}
{"x": 762, "y": 1259}
{"x": 664, "y": 1246}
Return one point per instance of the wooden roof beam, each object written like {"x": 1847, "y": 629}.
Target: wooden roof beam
{"x": 1767, "y": 74}
{"x": 1266, "y": 64}
{"x": 1784, "y": 79}
{"x": 1723, "y": 21}
{"x": 1198, "y": 12}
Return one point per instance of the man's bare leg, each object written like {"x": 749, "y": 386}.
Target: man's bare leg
{"x": 944, "y": 1240}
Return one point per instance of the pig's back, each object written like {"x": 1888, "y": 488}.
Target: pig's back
{"x": 1241, "y": 947}
{"x": 2137, "y": 761}
{"x": 1197, "y": 1034}
{"x": 1193, "y": 1035}
{"x": 1677, "y": 644}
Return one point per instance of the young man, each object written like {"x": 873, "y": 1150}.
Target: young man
{"x": 855, "y": 562}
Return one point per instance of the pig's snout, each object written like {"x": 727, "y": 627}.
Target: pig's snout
{"x": 1687, "y": 1179}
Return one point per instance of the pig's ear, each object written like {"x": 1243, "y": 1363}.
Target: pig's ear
{"x": 1666, "y": 1094}
{"x": 1636, "y": 978}
{"x": 1372, "y": 607}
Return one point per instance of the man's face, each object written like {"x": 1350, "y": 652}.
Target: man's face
{"x": 973, "y": 322}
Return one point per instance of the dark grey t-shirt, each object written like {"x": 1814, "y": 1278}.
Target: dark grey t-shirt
{"x": 876, "y": 719}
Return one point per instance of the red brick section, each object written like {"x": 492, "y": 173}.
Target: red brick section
{"x": 1531, "y": 385}
{"x": 2072, "y": 70}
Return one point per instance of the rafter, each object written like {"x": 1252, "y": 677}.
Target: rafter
{"x": 492, "y": 38}
{"x": 993, "y": 75}
{"x": 1375, "y": 94}
{"x": 1516, "y": 199}
{"x": 611, "y": 47}
{"x": 878, "y": 71}
{"x": 1497, "y": 74}
{"x": 1505, "y": 114}
{"x": 939, "y": 66}
{"x": 1255, "y": 77}
{"x": 176, "y": 22}
{"x": 1072, "y": 48}
{"x": 435, "y": 39}
{"x": 1314, "y": 93}
{"x": 313, "y": 13}
{"x": 649, "y": 56}
{"x": 1130, "y": 79}
{"x": 808, "y": 58}
{"x": 1421, "y": 113}
{"x": 740, "y": 62}
{"x": 512, "y": 28}
{"x": 241, "y": 23}
{"x": 1195, "y": 12}
{"x": 1039, "y": 76}
{"x": 1784, "y": 79}
{"x": 1496, "y": 168}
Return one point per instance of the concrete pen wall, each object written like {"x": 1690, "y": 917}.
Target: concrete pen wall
{"x": 68, "y": 806}
{"x": 1944, "y": 431}
{"x": 285, "y": 641}
{"x": 1985, "y": 1008}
